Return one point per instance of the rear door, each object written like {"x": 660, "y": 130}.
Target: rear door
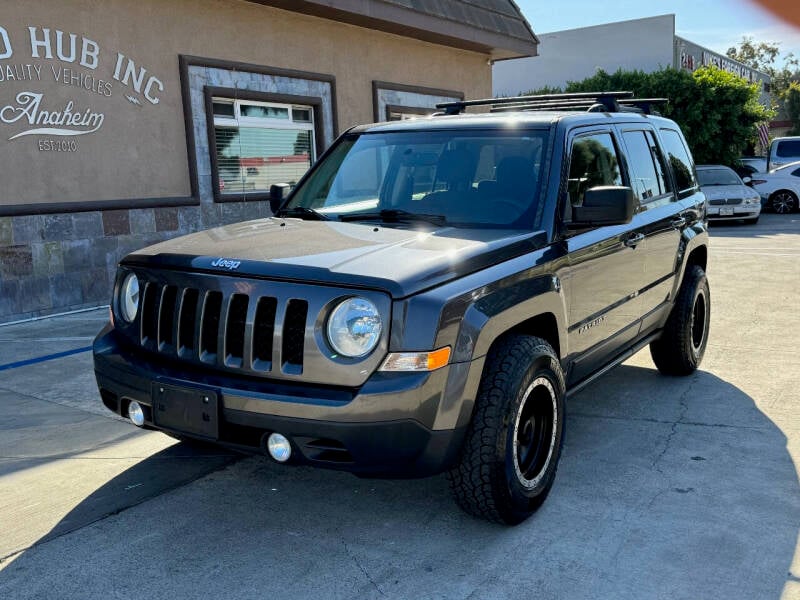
{"x": 660, "y": 219}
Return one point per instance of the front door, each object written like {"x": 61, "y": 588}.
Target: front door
{"x": 605, "y": 270}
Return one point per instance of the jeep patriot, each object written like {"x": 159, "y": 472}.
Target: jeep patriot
{"x": 426, "y": 297}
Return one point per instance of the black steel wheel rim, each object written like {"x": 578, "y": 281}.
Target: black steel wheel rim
{"x": 698, "y": 324}
{"x": 534, "y": 432}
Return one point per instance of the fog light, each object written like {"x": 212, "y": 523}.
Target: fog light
{"x": 279, "y": 447}
{"x": 135, "y": 413}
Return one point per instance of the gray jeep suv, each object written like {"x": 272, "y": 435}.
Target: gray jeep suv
{"x": 426, "y": 298}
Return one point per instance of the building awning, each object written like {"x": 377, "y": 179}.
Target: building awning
{"x": 493, "y": 27}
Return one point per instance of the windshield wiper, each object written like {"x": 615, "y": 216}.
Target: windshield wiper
{"x": 393, "y": 215}
{"x": 302, "y": 212}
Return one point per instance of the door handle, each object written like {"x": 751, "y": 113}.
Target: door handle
{"x": 678, "y": 223}
{"x": 634, "y": 240}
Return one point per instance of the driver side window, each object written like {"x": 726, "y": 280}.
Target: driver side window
{"x": 594, "y": 161}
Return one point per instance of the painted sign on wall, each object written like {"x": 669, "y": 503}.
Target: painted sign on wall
{"x": 54, "y": 57}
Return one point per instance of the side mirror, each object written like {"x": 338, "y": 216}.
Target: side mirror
{"x": 747, "y": 180}
{"x": 604, "y": 205}
{"x": 278, "y": 192}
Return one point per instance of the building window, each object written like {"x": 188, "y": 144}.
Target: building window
{"x": 398, "y": 102}
{"x": 258, "y": 144}
{"x": 406, "y": 113}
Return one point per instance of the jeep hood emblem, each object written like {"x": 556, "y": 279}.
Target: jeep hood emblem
{"x": 224, "y": 263}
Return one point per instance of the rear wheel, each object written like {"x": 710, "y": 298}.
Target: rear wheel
{"x": 783, "y": 202}
{"x": 510, "y": 455}
{"x": 682, "y": 344}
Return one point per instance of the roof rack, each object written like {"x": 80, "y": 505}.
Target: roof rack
{"x": 587, "y": 101}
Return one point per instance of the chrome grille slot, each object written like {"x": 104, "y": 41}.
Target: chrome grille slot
{"x": 734, "y": 201}
{"x": 263, "y": 332}
{"x": 209, "y": 327}
{"x": 150, "y": 302}
{"x": 186, "y": 323}
{"x": 166, "y": 319}
{"x": 294, "y": 333}
{"x": 235, "y": 330}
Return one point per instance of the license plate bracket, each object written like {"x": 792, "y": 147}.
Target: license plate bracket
{"x": 186, "y": 410}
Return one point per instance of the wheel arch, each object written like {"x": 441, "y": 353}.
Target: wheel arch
{"x": 786, "y": 190}
{"x": 544, "y": 326}
{"x": 698, "y": 256}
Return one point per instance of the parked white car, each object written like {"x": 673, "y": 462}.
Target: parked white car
{"x": 727, "y": 196}
{"x": 780, "y": 188}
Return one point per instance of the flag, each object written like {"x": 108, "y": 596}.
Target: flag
{"x": 763, "y": 135}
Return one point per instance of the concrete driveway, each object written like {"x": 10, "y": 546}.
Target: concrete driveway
{"x": 668, "y": 487}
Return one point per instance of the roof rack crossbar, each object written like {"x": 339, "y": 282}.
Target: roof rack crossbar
{"x": 609, "y": 99}
{"x": 577, "y": 105}
{"x": 646, "y": 105}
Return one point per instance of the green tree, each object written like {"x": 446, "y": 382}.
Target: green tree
{"x": 766, "y": 57}
{"x": 791, "y": 102}
{"x": 717, "y": 111}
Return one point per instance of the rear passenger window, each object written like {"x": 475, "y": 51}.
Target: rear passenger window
{"x": 594, "y": 161}
{"x": 647, "y": 171}
{"x": 679, "y": 160}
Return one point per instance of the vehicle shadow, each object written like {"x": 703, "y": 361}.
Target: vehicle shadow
{"x": 668, "y": 487}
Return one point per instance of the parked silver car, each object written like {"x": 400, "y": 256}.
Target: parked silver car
{"x": 727, "y": 195}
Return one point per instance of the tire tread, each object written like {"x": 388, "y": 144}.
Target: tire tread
{"x": 476, "y": 480}
{"x": 668, "y": 351}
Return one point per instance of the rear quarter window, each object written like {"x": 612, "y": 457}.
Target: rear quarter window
{"x": 679, "y": 159}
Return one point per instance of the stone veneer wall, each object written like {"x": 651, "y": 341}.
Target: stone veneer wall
{"x": 61, "y": 262}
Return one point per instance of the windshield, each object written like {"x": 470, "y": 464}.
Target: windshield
{"x": 463, "y": 178}
{"x": 718, "y": 177}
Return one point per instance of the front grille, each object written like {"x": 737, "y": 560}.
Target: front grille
{"x": 255, "y": 327}
{"x": 212, "y": 328}
{"x": 725, "y": 201}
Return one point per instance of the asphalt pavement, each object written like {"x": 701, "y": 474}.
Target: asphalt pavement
{"x": 667, "y": 488}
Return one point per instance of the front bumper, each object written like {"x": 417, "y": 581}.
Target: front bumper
{"x": 383, "y": 428}
{"x": 750, "y": 211}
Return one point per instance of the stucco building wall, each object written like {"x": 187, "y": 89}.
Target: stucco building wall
{"x": 132, "y": 168}
{"x": 575, "y": 54}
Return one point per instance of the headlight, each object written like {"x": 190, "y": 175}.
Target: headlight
{"x": 129, "y": 298}
{"x": 354, "y": 327}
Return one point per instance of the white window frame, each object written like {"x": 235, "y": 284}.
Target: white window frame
{"x": 266, "y": 122}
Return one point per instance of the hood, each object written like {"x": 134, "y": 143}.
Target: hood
{"x": 715, "y": 192}
{"x": 400, "y": 261}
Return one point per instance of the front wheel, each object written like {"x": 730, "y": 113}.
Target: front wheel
{"x": 510, "y": 455}
{"x": 682, "y": 344}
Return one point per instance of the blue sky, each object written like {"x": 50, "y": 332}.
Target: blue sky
{"x": 715, "y": 24}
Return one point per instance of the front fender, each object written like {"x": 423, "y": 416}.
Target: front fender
{"x": 693, "y": 238}
{"x": 471, "y": 313}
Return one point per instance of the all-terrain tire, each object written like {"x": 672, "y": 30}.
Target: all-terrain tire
{"x": 682, "y": 344}
{"x": 511, "y": 450}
